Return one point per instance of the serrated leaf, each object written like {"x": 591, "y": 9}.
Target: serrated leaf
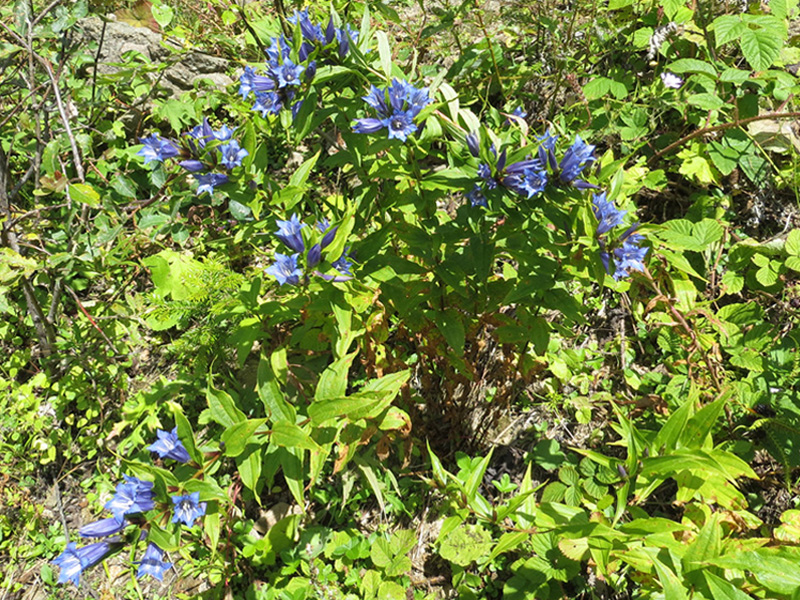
{"x": 568, "y": 475}
{"x": 760, "y": 47}
{"x": 574, "y": 549}
{"x": 748, "y": 359}
{"x": 83, "y": 193}
{"x": 766, "y": 276}
{"x": 594, "y": 489}
{"x": 793, "y": 242}
{"x": 706, "y": 101}
{"x": 573, "y": 496}
{"x": 727, "y": 28}
{"x": 465, "y": 544}
{"x": 707, "y": 231}
{"x": 793, "y": 262}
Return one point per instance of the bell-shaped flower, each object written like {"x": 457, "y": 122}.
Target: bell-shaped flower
{"x": 289, "y": 232}
{"x": 188, "y": 508}
{"x": 169, "y": 446}
{"x": 133, "y": 496}
{"x": 607, "y": 214}
{"x": 152, "y": 563}
{"x": 74, "y": 561}
{"x": 102, "y": 528}
{"x": 285, "y": 269}
{"x": 157, "y": 149}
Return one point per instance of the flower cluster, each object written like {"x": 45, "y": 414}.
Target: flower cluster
{"x": 628, "y": 256}
{"x": 285, "y": 268}
{"x": 277, "y": 88}
{"x": 397, "y": 106}
{"x": 203, "y": 151}
{"x": 529, "y": 177}
{"x": 131, "y": 500}
{"x": 334, "y": 39}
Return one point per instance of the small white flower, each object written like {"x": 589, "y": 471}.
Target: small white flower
{"x": 671, "y": 80}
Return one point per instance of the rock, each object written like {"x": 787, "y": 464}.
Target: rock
{"x": 182, "y": 75}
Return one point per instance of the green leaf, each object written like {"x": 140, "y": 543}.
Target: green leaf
{"x": 793, "y": 262}
{"x": 692, "y": 65}
{"x": 476, "y": 476}
{"x": 333, "y": 381}
{"x": 162, "y": 13}
{"x": 124, "y": 186}
{"x": 212, "y": 528}
{"x": 673, "y": 589}
{"x": 706, "y": 101}
{"x": 782, "y": 8}
{"x": 166, "y": 539}
{"x": 727, "y": 28}
{"x": 465, "y": 544}
{"x": 289, "y": 435}
{"x": 707, "y": 231}
{"x": 706, "y": 545}
{"x": 269, "y": 390}
{"x": 237, "y": 436}
{"x": 722, "y": 589}
{"x": 83, "y": 193}
{"x": 793, "y": 242}
{"x": 760, "y": 47}
{"x": 385, "y": 53}
{"x": 291, "y": 460}
{"x": 300, "y": 176}
{"x": 452, "y": 328}
{"x": 597, "y": 88}
{"x": 185, "y": 435}
{"x": 221, "y": 407}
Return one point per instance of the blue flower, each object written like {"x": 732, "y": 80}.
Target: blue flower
{"x": 288, "y": 74}
{"x": 169, "y": 446}
{"x": 343, "y": 264}
{"x": 345, "y": 35}
{"x": 208, "y": 181}
{"x": 268, "y": 103}
{"x": 73, "y": 561}
{"x": 232, "y": 154}
{"x": 157, "y": 149}
{"x": 368, "y": 125}
{"x": 607, "y": 215}
{"x": 309, "y": 30}
{"x": 517, "y": 112}
{"x": 476, "y": 197}
{"x": 630, "y": 256}
{"x": 575, "y": 160}
{"x": 330, "y": 232}
{"x": 485, "y": 173}
{"x": 192, "y": 165}
{"x": 285, "y": 269}
{"x": 377, "y": 100}
{"x": 526, "y": 178}
{"x": 473, "y": 144}
{"x": 133, "y": 496}
{"x": 397, "y": 114}
{"x": 188, "y": 508}
{"x": 547, "y": 155}
{"x": 289, "y": 233}
{"x": 152, "y": 563}
{"x": 102, "y": 528}
{"x": 400, "y": 125}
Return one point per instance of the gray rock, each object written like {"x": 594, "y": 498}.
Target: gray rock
{"x": 181, "y": 75}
